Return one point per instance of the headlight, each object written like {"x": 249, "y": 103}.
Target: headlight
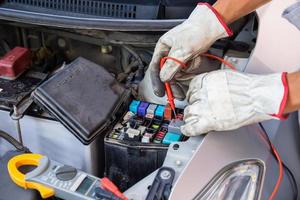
{"x": 239, "y": 181}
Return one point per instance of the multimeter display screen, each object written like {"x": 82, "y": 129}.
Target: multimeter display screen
{"x": 85, "y": 185}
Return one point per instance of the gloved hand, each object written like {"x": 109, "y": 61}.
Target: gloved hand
{"x": 186, "y": 42}
{"x": 226, "y": 100}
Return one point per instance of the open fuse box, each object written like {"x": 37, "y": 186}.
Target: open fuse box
{"x": 149, "y": 123}
{"x": 138, "y": 143}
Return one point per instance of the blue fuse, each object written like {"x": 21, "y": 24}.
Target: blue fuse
{"x": 142, "y": 109}
{"x": 171, "y": 137}
{"x": 133, "y": 107}
{"x": 159, "y": 112}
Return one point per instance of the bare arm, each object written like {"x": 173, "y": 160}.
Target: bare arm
{"x": 232, "y": 10}
{"x": 293, "y": 101}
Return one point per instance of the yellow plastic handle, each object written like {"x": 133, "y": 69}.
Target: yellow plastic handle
{"x": 19, "y": 178}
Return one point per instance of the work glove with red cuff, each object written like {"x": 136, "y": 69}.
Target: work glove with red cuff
{"x": 226, "y": 100}
{"x": 186, "y": 42}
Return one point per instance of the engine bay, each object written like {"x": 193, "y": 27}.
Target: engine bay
{"x": 73, "y": 95}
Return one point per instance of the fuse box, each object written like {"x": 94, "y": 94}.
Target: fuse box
{"x": 148, "y": 123}
{"x": 138, "y": 143}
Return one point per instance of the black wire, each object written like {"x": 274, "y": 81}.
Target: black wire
{"x": 289, "y": 172}
{"x": 291, "y": 176}
{"x": 13, "y": 142}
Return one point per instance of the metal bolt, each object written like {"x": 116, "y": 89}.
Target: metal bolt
{"x": 165, "y": 174}
{"x": 106, "y": 49}
{"x": 178, "y": 162}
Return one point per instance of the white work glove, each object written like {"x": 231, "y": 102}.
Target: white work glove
{"x": 226, "y": 100}
{"x": 186, "y": 42}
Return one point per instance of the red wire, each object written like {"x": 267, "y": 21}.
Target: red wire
{"x": 231, "y": 66}
{"x": 276, "y": 188}
{"x": 164, "y": 59}
{"x": 276, "y": 154}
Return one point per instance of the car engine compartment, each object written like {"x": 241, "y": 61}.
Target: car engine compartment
{"x": 76, "y": 99}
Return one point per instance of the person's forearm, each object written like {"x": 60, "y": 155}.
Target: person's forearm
{"x": 232, "y": 10}
{"x": 293, "y": 101}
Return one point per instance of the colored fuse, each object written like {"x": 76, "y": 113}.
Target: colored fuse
{"x": 174, "y": 126}
{"x": 168, "y": 112}
{"x": 133, "y": 132}
{"x": 157, "y": 141}
{"x": 132, "y": 135}
{"x": 149, "y": 116}
{"x": 127, "y": 125}
{"x": 133, "y": 107}
{"x": 155, "y": 126}
{"x": 171, "y": 137}
{"x": 151, "y": 109}
{"x": 111, "y": 134}
{"x": 147, "y": 137}
{"x": 146, "y": 123}
{"x": 142, "y": 109}
{"x": 115, "y": 136}
{"x": 128, "y": 116}
{"x": 160, "y": 135}
{"x": 159, "y": 112}
{"x": 142, "y": 129}
{"x": 118, "y": 128}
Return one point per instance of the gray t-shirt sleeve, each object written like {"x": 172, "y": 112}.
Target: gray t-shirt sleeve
{"x": 292, "y": 14}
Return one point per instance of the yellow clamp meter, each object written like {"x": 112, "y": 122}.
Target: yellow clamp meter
{"x": 20, "y": 179}
{"x": 53, "y": 178}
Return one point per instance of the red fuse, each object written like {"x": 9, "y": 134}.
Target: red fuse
{"x": 160, "y": 135}
{"x": 168, "y": 112}
{"x": 14, "y": 63}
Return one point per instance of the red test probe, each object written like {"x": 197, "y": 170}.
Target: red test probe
{"x": 168, "y": 89}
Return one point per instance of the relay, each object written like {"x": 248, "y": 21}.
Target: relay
{"x": 149, "y": 123}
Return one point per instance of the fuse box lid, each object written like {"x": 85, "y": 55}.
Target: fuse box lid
{"x": 84, "y": 97}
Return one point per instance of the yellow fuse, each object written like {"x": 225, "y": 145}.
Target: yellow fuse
{"x": 155, "y": 126}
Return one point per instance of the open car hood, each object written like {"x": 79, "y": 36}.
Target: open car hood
{"x": 113, "y": 16}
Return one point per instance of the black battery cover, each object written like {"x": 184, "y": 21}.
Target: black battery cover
{"x": 84, "y": 97}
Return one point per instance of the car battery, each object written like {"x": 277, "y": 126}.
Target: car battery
{"x": 138, "y": 143}
{"x": 44, "y": 135}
